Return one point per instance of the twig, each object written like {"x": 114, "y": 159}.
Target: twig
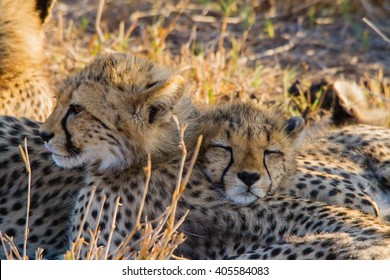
{"x": 78, "y": 244}
{"x": 376, "y": 29}
{"x": 100, "y": 215}
{"x": 192, "y": 164}
{"x": 281, "y": 49}
{"x": 12, "y": 246}
{"x": 112, "y": 227}
{"x": 181, "y": 6}
{"x": 98, "y": 19}
{"x": 94, "y": 234}
{"x": 138, "y": 225}
{"x": 132, "y": 26}
{"x": 121, "y": 32}
{"x": 39, "y": 254}
{"x": 26, "y": 160}
{"x": 387, "y": 100}
{"x": 86, "y": 212}
{"x": 181, "y": 169}
{"x": 4, "y": 247}
{"x": 181, "y": 185}
{"x": 192, "y": 37}
{"x": 173, "y": 239}
{"x": 148, "y": 170}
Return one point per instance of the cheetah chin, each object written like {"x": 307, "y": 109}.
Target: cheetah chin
{"x": 104, "y": 158}
{"x": 243, "y": 195}
{"x": 69, "y": 161}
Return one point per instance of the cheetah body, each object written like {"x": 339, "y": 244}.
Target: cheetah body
{"x": 130, "y": 113}
{"x": 345, "y": 166}
{"x": 53, "y": 191}
{"x": 348, "y": 166}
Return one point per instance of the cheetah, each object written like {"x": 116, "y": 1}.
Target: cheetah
{"x": 25, "y": 90}
{"x": 237, "y": 156}
{"x": 238, "y": 161}
{"x": 109, "y": 117}
{"x": 53, "y": 191}
{"x": 352, "y": 107}
{"x": 234, "y": 160}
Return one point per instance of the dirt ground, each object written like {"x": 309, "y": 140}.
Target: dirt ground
{"x": 273, "y": 53}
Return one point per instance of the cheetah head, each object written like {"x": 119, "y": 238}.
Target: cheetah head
{"x": 112, "y": 113}
{"x": 247, "y": 152}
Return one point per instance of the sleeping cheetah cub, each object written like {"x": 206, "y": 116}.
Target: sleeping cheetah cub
{"x": 251, "y": 158}
{"x": 115, "y": 112}
{"x": 24, "y": 85}
{"x": 236, "y": 165}
{"x": 250, "y": 153}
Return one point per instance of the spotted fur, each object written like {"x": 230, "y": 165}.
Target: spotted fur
{"x": 53, "y": 191}
{"x": 24, "y": 86}
{"x": 130, "y": 103}
{"x": 357, "y": 158}
{"x": 249, "y": 153}
{"x": 250, "y": 158}
{"x": 324, "y": 246}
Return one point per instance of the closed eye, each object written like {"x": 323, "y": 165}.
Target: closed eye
{"x": 150, "y": 85}
{"x": 218, "y": 145}
{"x": 273, "y": 152}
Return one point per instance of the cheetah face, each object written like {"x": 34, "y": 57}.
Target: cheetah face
{"x": 243, "y": 185}
{"x": 112, "y": 113}
{"x": 251, "y": 155}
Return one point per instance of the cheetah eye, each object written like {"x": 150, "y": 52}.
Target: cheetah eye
{"x": 76, "y": 109}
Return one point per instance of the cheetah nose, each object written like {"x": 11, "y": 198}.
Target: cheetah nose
{"x": 248, "y": 178}
{"x": 46, "y": 136}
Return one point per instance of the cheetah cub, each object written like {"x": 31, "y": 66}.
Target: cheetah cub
{"x": 249, "y": 154}
{"x": 115, "y": 112}
{"x": 24, "y": 85}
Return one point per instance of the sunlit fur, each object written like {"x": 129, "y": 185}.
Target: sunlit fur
{"x": 236, "y": 142}
{"x": 127, "y": 109}
{"x": 214, "y": 228}
{"x": 24, "y": 87}
{"x": 260, "y": 143}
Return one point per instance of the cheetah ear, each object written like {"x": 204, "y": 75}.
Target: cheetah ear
{"x": 44, "y": 8}
{"x": 294, "y": 126}
{"x": 161, "y": 101}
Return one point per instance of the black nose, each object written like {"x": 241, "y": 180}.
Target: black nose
{"x": 46, "y": 136}
{"x": 248, "y": 178}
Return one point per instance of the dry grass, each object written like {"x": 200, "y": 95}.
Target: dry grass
{"x": 228, "y": 49}
{"x": 158, "y": 238}
{"x": 12, "y": 252}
